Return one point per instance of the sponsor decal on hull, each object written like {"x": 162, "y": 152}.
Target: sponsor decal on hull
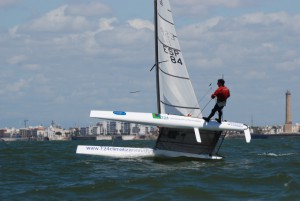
{"x": 156, "y": 116}
{"x": 119, "y": 113}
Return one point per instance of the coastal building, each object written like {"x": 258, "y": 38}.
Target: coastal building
{"x": 145, "y": 130}
{"x": 267, "y": 130}
{"x": 125, "y": 128}
{"x": 9, "y": 132}
{"x": 99, "y": 129}
{"x": 111, "y": 127}
{"x": 84, "y": 131}
{"x": 135, "y": 129}
{"x": 32, "y": 132}
{"x": 107, "y": 128}
{"x": 56, "y": 133}
{"x": 297, "y": 128}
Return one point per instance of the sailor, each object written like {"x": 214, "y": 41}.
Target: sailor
{"x": 222, "y": 93}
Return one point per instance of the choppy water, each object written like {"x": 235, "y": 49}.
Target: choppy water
{"x": 266, "y": 169}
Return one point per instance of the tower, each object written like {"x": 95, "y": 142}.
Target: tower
{"x": 288, "y": 113}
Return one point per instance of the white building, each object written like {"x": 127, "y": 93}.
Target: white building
{"x": 55, "y": 133}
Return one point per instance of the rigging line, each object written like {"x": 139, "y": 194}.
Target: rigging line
{"x": 204, "y": 97}
{"x": 165, "y": 19}
{"x": 221, "y": 142}
{"x": 198, "y": 113}
{"x": 158, "y": 63}
{"x": 179, "y": 106}
{"x": 206, "y": 104}
{"x": 210, "y": 88}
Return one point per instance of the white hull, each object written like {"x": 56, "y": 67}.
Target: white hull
{"x": 172, "y": 121}
{"x": 132, "y": 152}
{"x": 118, "y": 152}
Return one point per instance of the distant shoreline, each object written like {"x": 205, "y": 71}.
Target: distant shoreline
{"x": 264, "y": 136}
{"x": 261, "y": 136}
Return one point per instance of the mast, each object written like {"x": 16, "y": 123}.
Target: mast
{"x": 156, "y": 57}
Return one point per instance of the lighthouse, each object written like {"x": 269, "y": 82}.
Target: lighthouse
{"x": 288, "y": 113}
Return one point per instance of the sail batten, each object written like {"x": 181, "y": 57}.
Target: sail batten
{"x": 176, "y": 92}
{"x": 165, "y": 19}
{"x": 186, "y": 78}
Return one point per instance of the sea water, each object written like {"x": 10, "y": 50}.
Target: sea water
{"x": 265, "y": 169}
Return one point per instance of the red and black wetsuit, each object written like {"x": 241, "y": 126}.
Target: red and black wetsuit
{"x": 222, "y": 93}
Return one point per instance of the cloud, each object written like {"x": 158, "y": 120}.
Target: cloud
{"x": 32, "y": 67}
{"x": 106, "y": 24}
{"x": 256, "y": 74}
{"x": 291, "y": 65}
{"x": 91, "y": 44}
{"x": 17, "y": 86}
{"x": 16, "y": 59}
{"x": 197, "y": 29}
{"x": 141, "y": 24}
{"x": 57, "y": 20}
{"x": 204, "y": 3}
{"x": 236, "y": 38}
{"x": 203, "y": 7}
{"x": 264, "y": 19}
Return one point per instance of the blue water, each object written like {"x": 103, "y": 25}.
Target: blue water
{"x": 265, "y": 169}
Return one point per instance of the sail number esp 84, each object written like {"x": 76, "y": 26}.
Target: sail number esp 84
{"x": 173, "y": 54}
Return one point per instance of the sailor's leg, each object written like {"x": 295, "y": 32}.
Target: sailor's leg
{"x": 220, "y": 111}
{"x": 213, "y": 111}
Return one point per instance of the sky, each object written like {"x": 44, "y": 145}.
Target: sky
{"x": 59, "y": 59}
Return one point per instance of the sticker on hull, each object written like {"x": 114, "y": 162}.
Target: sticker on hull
{"x": 119, "y": 113}
{"x": 156, "y": 116}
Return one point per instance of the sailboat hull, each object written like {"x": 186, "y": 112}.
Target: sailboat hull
{"x": 165, "y": 120}
{"x": 133, "y": 152}
{"x": 184, "y": 140}
{"x": 172, "y": 121}
{"x": 179, "y": 136}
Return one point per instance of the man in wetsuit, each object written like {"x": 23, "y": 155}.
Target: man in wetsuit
{"x": 222, "y": 93}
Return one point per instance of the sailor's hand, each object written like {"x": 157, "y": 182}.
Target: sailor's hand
{"x": 213, "y": 96}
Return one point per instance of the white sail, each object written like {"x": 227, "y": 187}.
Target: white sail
{"x": 177, "y": 95}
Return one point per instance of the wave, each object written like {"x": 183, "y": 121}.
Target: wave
{"x": 276, "y": 154}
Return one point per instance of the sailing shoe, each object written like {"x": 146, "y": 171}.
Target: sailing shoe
{"x": 206, "y": 119}
{"x": 218, "y": 120}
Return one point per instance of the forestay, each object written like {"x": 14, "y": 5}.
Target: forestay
{"x": 177, "y": 95}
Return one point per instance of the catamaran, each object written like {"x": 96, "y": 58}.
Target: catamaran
{"x": 182, "y": 131}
